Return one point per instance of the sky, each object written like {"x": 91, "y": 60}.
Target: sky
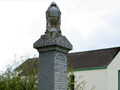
{"x": 88, "y": 25}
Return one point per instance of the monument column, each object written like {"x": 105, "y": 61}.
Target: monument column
{"x": 53, "y": 49}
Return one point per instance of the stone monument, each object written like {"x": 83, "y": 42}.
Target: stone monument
{"x": 53, "y": 48}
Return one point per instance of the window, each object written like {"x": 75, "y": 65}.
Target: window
{"x": 119, "y": 80}
{"x": 72, "y": 82}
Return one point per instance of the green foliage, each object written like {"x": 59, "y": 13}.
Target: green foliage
{"x": 13, "y": 80}
{"x": 26, "y": 78}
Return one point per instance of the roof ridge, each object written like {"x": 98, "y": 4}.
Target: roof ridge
{"x": 95, "y": 50}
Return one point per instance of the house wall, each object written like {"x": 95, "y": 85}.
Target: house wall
{"x": 112, "y": 73}
{"x": 94, "y": 78}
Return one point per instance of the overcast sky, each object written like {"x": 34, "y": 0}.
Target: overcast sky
{"x": 88, "y": 25}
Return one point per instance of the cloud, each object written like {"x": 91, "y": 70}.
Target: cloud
{"x": 88, "y": 24}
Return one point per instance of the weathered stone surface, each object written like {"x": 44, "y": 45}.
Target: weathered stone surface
{"x": 52, "y": 71}
{"x": 53, "y": 20}
{"x": 63, "y": 42}
{"x": 60, "y": 72}
{"x": 46, "y": 70}
{"x": 46, "y": 41}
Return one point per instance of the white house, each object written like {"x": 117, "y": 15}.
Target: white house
{"x": 99, "y": 68}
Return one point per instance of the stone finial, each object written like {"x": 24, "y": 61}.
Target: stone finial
{"x": 53, "y": 20}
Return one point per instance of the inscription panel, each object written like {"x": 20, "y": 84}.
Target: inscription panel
{"x": 60, "y": 72}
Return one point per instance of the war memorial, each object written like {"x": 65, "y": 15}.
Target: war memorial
{"x": 53, "y": 48}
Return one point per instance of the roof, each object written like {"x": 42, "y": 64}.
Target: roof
{"x": 82, "y": 60}
{"x": 30, "y": 66}
{"x": 91, "y": 59}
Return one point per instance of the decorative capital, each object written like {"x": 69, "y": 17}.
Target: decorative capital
{"x": 47, "y": 41}
{"x": 53, "y": 21}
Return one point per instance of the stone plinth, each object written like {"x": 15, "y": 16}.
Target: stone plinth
{"x": 52, "y": 62}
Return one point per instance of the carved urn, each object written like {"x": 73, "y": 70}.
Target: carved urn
{"x": 54, "y": 14}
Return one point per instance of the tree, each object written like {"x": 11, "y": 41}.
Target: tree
{"x": 14, "y": 80}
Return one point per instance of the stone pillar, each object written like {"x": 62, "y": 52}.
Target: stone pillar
{"x": 53, "y": 49}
